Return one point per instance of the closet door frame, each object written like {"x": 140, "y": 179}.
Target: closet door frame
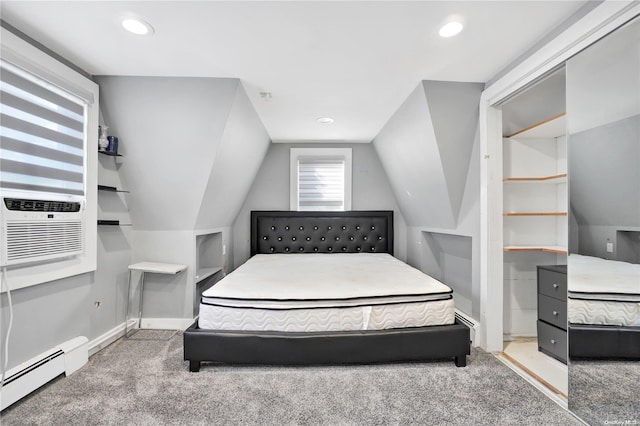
{"x": 596, "y": 24}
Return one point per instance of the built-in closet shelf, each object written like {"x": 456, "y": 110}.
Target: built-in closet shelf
{"x": 109, "y": 222}
{"x": 550, "y": 128}
{"x": 110, "y": 189}
{"x": 110, "y": 154}
{"x": 534, "y": 214}
{"x": 547, "y": 249}
{"x": 555, "y": 179}
{"x": 204, "y": 273}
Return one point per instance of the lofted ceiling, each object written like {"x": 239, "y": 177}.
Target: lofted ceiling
{"x": 353, "y": 61}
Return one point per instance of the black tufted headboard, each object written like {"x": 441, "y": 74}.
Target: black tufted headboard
{"x": 321, "y": 232}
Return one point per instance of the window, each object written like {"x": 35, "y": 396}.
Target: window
{"x": 42, "y": 136}
{"x": 321, "y": 179}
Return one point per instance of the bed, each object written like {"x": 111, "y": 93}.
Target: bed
{"x": 324, "y": 288}
{"x": 603, "y": 308}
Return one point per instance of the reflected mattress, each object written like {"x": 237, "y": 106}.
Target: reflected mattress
{"x": 325, "y": 292}
{"x": 603, "y": 292}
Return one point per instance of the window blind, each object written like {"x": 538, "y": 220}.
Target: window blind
{"x": 321, "y": 184}
{"x": 42, "y": 135}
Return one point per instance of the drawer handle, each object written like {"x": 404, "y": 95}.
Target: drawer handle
{"x": 555, "y": 313}
{"x": 553, "y": 342}
{"x": 555, "y": 285}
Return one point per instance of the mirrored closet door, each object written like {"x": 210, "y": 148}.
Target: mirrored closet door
{"x": 603, "y": 133}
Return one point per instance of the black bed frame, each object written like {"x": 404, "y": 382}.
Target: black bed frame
{"x": 604, "y": 342}
{"x": 325, "y": 232}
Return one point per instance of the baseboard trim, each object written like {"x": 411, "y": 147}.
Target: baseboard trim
{"x": 166, "y": 323}
{"x": 109, "y": 337}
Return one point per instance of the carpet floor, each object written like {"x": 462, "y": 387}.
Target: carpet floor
{"x": 146, "y": 382}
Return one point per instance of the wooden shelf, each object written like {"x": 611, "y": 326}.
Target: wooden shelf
{"x": 550, "y": 128}
{"x": 204, "y": 273}
{"x": 560, "y": 178}
{"x": 548, "y": 249}
{"x": 534, "y": 214}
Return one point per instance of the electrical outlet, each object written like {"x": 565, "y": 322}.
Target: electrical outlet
{"x": 609, "y": 247}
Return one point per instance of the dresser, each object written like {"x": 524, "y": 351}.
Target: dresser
{"x": 552, "y": 311}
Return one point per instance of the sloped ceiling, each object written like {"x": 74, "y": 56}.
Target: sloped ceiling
{"x": 426, "y": 147}
{"x": 182, "y": 148}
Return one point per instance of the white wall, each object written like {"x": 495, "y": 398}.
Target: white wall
{"x": 270, "y": 191}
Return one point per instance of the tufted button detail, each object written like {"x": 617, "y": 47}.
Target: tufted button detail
{"x": 315, "y": 228}
{"x": 357, "y": 227}
{"x": 301, "y": 228}
{"x": 308, "y": 238}
{"x": 358, "y": 249}
{"x": 273, "y": 228}
{"x": 315, "y": 249}
{"x": 365, "y": 238}
{"x": 344, "y": 228}
{"x": 329, "y": 228}
{"x": 279, "y": 238}
{"x": 337, "y": 238}
{"x": 286, "y": 228}
{"x": 351, "y": 238}
{"x": 286, "y": 249}
{"x": 322, "y": 239}
{"x": 272, "y": 249}
{"x": 301, "y": 249}
{"x": 265, "y": 238}
{"x": 373, "y": 249}
{"x": 293, "y": 239}
{"x": 379, "y": 238}
{"x": 373, "y": 228}
{"x": 344, "y": 249}
{"x": 330, "y": 249}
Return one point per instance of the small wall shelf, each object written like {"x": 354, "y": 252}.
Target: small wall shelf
{"x": 110, "y": 189}
{"x": 560, "y": 178}
{"x": 204, "y": 273}
{"x": 110, "y": 154}
{"x": 534, "y": 214}
{"x": 110, "y": 222}
{"x": 547, "y": 249}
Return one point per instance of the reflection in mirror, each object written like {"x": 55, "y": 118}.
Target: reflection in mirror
{"x": 603, "y": 110}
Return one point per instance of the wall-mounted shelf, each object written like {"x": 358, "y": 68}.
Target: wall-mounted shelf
{"x": 534, "y": 214}
{"x": 110, "y": 222}
{"x": 559, "y": 178}
{"x": 204, "y": 273}
{"x": 110, "y": 154}
{"x": 550, "y": 128}
{"x": 547, "y": 249}
{"x": 110, "y": 189}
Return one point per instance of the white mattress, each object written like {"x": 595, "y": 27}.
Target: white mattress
{"x": 603, "y": 292}
{"x": 325, "y": 292}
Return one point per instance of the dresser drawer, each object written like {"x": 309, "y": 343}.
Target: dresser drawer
{"x": 552, "y": 283}
{"x": 552, "y": 310}
{"x": 552, "y": 341}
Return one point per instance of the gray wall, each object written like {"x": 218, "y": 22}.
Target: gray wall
{"x": 270, "y": 191}
{"x": 430, "y": 151}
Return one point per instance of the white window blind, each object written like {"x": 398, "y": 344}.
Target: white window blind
{"x": 321, "y": 183}
{"x": 42, "y": 135}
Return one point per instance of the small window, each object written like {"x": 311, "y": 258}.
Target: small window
{"x": 321, "y": 179}
{"x": 43, "y": 136}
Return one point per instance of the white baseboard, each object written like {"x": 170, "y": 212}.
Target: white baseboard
{"x": 109, "y": 337}
{"x": 166, "y": 323}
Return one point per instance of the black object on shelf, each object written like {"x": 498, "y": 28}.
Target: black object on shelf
{"x": 109, "y": 153}
{"x": 108, "y": 222}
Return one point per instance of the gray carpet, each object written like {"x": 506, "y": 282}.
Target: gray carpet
{"x": 146, "y": 382}
{"x": 605, "y": 392}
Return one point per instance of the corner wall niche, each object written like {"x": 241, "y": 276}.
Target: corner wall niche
{"x": 209, "y": 263}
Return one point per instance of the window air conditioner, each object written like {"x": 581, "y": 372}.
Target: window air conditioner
{"x": 39, "y": 230}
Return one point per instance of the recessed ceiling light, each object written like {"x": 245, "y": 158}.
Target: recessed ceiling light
{"x": 137, "y": 26}
{"x": 450, "y": 29}
{"x": 325, "y": 120}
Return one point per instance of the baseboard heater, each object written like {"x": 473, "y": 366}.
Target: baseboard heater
{"x": 473, "y": 325}
{"x": 65, "y": 359}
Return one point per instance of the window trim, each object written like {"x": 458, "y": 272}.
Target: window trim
{"x": 26, "y": 56}
{"x": 296, "y": 153}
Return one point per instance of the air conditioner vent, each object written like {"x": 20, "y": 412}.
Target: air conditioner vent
{"x": 24, "y": 205}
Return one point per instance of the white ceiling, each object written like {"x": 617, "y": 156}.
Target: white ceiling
{"x": 354, "y": 61}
